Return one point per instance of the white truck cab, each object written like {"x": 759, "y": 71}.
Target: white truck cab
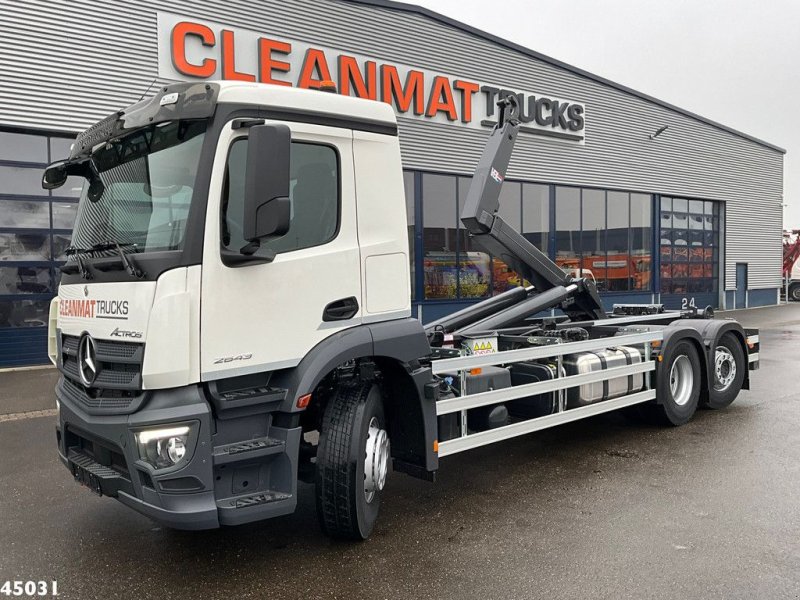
{"x": 239, "y": 278}
{"x": 169, "y": 286}
{"x": 331, "y": 252}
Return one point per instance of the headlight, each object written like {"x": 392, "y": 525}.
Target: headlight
{"x": 163, "y": 447}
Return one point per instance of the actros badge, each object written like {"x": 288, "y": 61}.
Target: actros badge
{"x": 122, "y": 333}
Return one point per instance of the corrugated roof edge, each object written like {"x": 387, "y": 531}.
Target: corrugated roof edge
{"x": 426, "y": 12}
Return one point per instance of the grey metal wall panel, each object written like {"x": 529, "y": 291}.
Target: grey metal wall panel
{"x": 65, "y": 64}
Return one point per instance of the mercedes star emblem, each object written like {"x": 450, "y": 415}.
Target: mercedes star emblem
{"x": 88, "y": 368}
{"x": 86, "y": 290}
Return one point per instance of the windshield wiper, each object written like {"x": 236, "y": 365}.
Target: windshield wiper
{"x": 76, "y": 252}
{"x": 129, "y": 265}
{"x": 127, "y": 262}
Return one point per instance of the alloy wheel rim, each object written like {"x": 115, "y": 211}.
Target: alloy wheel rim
{"x": 681, "y": 380}
{"x": 376, "y": 460}
{"x": 724, "y": 369}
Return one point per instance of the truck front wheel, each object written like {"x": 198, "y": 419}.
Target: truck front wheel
{"x": 794, "y": 292}
{"x": 352, "y": 461}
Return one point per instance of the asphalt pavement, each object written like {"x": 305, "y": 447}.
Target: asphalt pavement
{"x": 603, "y": 508}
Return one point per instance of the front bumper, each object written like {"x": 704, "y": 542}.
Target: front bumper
{"x": 100, "y": 452}
{"x": 189, "y": 512}
{"x": 241, "y": 468}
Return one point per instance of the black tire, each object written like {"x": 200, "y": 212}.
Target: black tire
{"x": 342, "y": 506}
{"x": 676, "y": 409}
{"x": 718, "y": 396}
{"x": 794, "y": 292}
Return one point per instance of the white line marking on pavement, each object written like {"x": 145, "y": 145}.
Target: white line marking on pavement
{"x": 52, "y": 412}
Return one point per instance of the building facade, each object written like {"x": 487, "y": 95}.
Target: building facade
{"x": 654, "y": 202}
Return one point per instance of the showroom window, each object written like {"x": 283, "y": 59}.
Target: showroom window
{"x": 439, "y": 236}
{"x": 454, "y": 267}
{"x": 689, "y": 246}
{"x": 477, "y": 269}
{"x": 568, "y": 227}
{"x": 35, "y": 228}
{"x": 605, "y": 232}
{"x": 607, "y": 235}
{"x": 536, "y": 214}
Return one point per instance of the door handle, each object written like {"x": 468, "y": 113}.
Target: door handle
{"x": 340, "y": 310}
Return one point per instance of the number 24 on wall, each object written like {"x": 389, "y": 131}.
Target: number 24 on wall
{"x": 687, "y": 303}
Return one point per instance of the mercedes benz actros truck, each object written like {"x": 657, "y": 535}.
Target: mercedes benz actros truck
{"x": 234, "y": 316}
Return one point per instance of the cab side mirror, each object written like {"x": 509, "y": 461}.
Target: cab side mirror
{"x": 267, "y": 208}
{"x": 55, "y": 175}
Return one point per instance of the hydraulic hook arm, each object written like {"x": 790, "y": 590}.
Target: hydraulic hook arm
{"x": 498, "y": 238}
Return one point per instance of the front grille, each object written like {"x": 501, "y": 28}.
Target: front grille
{"x": 117, "y": 349}
{"x": 117, "y": 387}
{"x": 102, "y": 402}
{"x": 69, "y": 344}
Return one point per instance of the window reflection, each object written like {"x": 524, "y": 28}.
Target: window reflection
{"x": 24, "y": 246}
{"x": 25, "y": 280}
{"x": 607, "y": 235}
{"x": 21, "y": 181}
{"x": 688, "y": 256}
{"x": 23, "y": 147}
{"x": 25, "y": 214}
{"x": 593, "y": 238}
{"x": 64, "y": 214}
{"x": 641, "y": 237}
{"x": 29, "y": 251}
{"x": 474, "y": 266}
{"x": 568, "y": 228}
{"x": 24, "y": 313}
{"x": 439, "y": 236}
{"x": 536, "y": 214}
{"x": 604, "y": 234}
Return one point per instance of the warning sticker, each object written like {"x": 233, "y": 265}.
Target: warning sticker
{"x": 484, "y": 345}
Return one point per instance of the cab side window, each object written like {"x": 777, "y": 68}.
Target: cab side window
{"x": 313, "y": 193}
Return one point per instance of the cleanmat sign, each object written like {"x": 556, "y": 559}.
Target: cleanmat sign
{"x": 190, "y": 48}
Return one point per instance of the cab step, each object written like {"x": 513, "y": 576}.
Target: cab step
{"x": 255, "y": 499}
{"x": 255, "y": 506}
{"x": 245, "y": 401}
{"x": 247, "y": 450}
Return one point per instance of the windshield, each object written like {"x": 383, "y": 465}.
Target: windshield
{"x": 141, "y": 188}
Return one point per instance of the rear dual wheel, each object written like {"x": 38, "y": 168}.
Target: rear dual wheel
{"x": 679, "y": 382}
{"x": 727, "y": 372}
{"x": 677, "y": 388}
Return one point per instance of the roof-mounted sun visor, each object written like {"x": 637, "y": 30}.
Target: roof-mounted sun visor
{"x": 177, "y": 101}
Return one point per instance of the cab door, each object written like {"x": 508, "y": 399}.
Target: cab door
{"x": 260, "y": 317}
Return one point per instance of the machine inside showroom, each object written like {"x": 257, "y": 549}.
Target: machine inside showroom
{"x": 235, "y": 316}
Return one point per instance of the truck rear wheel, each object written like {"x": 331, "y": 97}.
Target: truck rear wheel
{"x": 678, "y": 385}
{"x": 727, "y": 372}
{"x": 352, "y": 461}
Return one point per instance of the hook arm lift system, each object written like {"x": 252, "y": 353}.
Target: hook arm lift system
{"x": 551, "y": 287}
